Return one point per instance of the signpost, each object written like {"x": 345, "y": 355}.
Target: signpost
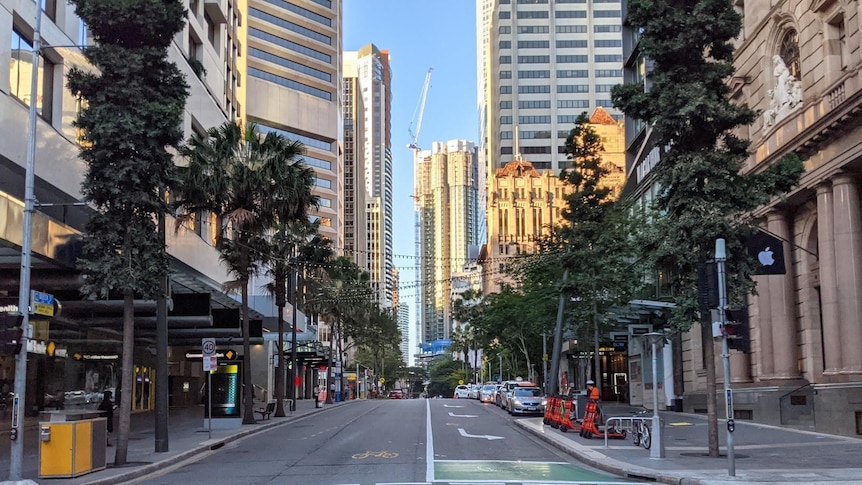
{"x": 208, "y": 352}
{"x": 42, "y": 303}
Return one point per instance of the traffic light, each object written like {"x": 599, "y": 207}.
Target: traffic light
{"x": 736, "y": 329}
{"x": 11, "y": 334}
{"x": 707, "y": 287}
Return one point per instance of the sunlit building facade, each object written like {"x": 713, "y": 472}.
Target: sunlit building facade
{"x": 447, "y": 194}
{"x": 371, "y": 70}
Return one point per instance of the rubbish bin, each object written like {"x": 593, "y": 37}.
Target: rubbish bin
{"x": 72, "y": 448}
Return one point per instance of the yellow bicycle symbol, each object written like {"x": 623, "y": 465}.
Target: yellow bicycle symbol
{"x": 377, "y": 454}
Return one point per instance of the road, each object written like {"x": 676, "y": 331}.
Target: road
{"x": 403, "y": 442}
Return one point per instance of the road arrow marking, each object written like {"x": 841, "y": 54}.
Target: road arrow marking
{"x": 462, "y": 415}
{"x": 448, "y": 406}
{"x": 485, "y": 436}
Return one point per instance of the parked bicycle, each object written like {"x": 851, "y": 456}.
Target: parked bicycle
{"x": 641, "y": 430}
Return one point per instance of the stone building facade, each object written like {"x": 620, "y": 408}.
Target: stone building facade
{"x": 798, "y": 63}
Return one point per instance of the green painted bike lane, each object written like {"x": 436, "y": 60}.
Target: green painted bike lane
{"x": 514, "y": 471}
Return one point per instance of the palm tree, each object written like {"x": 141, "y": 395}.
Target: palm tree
{"x": 290, "y": 238}
{"x": 250, "y": 182}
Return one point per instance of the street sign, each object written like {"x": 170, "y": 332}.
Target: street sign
{"x": 42, "y": 303}
{"x": 208, "y": 347}
{"x": 729, "y": 409}
{"x": 768, "y": 251}
{"x": 208, "y": 352}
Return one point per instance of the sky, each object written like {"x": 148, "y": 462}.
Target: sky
{"x": 419, "y": 34}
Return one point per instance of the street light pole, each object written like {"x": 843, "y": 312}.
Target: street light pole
{"x": 657, "y": 449}
{"x": 18, "y": 401}
{"x": 294, "y": 366}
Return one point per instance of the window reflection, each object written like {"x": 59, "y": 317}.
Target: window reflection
{"x": 21, "y": 70}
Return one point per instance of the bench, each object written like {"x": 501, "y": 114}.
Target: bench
{"x": 265, "y": 412}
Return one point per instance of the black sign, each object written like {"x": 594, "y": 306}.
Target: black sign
{"x": 768, "y": 251}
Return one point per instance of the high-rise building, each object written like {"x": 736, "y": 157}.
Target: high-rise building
{"x": 292, "y": 85}
{"x": 541, "y": 64}
{"x": 372, "y": 74}
{"x": 355, "y": 193}
{"x": 447, "y": 191}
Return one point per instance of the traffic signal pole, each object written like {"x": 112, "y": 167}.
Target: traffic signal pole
{"x": 720, "y": 259}
{"x": 18, "y": 401}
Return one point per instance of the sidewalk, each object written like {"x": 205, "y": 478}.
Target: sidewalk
{"x": 763, "y": 454}
{"x": 188, "y": 437}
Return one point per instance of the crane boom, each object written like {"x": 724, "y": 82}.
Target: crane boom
{"x": 420, "y": 109}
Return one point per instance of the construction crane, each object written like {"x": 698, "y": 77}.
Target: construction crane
{"x": 420, "y": 110}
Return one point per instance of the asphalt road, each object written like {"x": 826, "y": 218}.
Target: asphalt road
{"x": 403, "y": 442}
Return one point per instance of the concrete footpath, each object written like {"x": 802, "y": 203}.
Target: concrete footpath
{"x": 763, "y": 454}
{"x": 187, "y": 438}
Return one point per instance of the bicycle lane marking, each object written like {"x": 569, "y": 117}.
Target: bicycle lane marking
{"x": 429, "y": 444}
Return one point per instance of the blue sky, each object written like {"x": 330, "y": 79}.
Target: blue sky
{"x": 420, "y": 34}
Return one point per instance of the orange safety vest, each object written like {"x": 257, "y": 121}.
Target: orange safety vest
{"x": 594, "y": 393}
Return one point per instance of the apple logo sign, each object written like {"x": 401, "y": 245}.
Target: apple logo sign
{"x": 765, "y": 257}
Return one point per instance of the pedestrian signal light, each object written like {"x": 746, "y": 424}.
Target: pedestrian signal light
{"x": 736, "y": 330}
{"x": 11, "y": 334}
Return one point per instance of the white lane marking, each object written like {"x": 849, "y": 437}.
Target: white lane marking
{"x": 448, "y": 406}
{"x": 484, "y": 436}
{"x": 429, "y": 444}
{"x": 462, "y": 415}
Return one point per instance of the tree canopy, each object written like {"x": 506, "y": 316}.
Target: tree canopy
{"x": 131, "y": 115}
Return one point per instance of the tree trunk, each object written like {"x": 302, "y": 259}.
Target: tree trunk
{"x": 279, "y": 371}
{"x": 248, "y": 385}
{"x": 126, "y": 381}
{"x": 711, "y": 401}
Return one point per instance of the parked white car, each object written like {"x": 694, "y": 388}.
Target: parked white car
{"x": 461, "y": 392}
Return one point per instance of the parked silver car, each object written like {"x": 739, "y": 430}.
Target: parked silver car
{"x": 526, "y": 400}
{"x": 486, "y": 393}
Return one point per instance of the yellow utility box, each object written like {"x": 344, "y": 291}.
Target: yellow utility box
{"x": 72, "y": 448}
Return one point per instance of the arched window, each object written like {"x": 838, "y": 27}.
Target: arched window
{"x": 789, "y": 52}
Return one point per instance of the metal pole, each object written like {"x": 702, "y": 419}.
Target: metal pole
{"x": 500, "y": 356}
{"x": 161, "y": 439}
{"x": 657, "y": 449}
{"x": 293, "y": 364}
{"x": 16, "y": 463}
{"x": 720, "y": 259}
{"x": 210, "y": 403}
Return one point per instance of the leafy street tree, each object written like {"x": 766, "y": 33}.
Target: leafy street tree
{"x": 466, "y": 308}
{"x": 459, "y": 345}
{"x": 341, "y": 290}
{"x": 598, "y": 245}
{"x": 250, "y": 182}
{"x": 444, "y": 374}
{"x": 132, "y": 114}
{"x": 375, "y": 329}
{"x": 514, "y": 317}
{"x": 705, "y": 194}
